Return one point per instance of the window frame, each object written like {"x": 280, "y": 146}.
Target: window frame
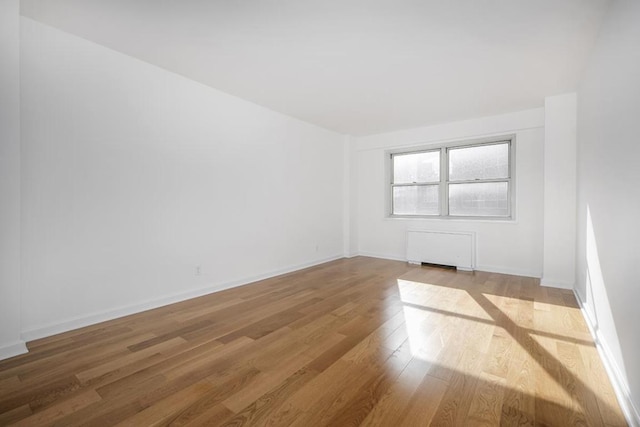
{"x": 437, "y": 183}
{"x": 444, "y": 182}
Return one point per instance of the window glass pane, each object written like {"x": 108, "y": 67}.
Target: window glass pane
{"x": 480, "y": 162}
{"x": 415, "y": 200}
{"x": 479, "y": 199}
{"x": 416, "y": 167}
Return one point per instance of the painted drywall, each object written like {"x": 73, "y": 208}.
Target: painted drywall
{"x": 608, "y": 251}
{"x": 351, "y": 239}
{"x": 513, "y": 247}
{"x": 559, "y": 263}
{"x": 10, "y": 342}
{"x": 141, "y": 187}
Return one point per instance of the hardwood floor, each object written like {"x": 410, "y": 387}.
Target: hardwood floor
{"x": 352, "y": 342}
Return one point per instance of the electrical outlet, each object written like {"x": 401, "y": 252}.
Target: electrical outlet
{"x": 198, "y": 270}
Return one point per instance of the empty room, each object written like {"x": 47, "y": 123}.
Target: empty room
{"x": 319, "y": 213}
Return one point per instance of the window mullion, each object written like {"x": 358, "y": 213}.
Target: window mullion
{"x": 414, "y": 184}
{"x": 444, "y": 176}
{"x": 477, "y": 181}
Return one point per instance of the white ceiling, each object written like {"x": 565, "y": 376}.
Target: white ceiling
{"x": 354, "y": 66}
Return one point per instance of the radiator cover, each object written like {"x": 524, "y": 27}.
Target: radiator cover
{"x": 442, "y": 247}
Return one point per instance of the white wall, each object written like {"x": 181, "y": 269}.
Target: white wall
{"x": 351, "y": 240}
{"x": 513, "y": 247}
{"x": 134, "y": 176}
{"x": 559, "y": 262}
{"x": 10, "y": 342}
{"x": 608, "y": 252}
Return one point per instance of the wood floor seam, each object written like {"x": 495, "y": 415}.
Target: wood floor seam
{"x": 352, "y": 342}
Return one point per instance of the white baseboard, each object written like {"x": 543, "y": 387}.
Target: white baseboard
{"x": 13, "y": 349}
{"x": 382, "y": 256}
{"x": 506, "y": 270}
{"x": 554, "y": 283}
{"x": 487, "y": 268}
{"x": 102, "y": 316}
{"x": 618, "y": 380}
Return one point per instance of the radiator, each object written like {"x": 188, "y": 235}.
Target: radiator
{"x": 438, "y": 247}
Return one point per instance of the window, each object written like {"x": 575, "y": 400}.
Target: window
{"x": 453, "y": 181}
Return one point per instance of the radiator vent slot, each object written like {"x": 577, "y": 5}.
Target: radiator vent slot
{"x": 448, "y": 248}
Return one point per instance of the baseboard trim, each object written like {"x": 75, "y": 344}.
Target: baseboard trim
{"x": 485, "y": 268}
{"x": 15, "y": 348}
{"x": 382, "y": 256}
{"x": 558, "y": 284}
{"x": 505, "y": 270}
{"x": 43, "y": 331}
{"x": 618, "y": 381}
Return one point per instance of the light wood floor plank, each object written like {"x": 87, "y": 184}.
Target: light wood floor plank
{"x": 358, "y": 341}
